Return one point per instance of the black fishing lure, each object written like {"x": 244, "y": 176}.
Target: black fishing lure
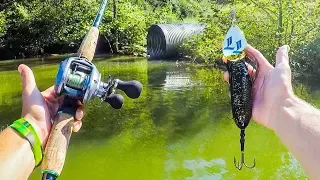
{"x": 240, "y": 91}
{"x": 241, "y": 83}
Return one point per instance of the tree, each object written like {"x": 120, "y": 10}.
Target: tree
{"x": 2, "y": 23}
{"x": 32, "y": 26}
{"x": 267, "y": 25}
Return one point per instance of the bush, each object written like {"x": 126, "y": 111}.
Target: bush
{"x": 266, "y": 25}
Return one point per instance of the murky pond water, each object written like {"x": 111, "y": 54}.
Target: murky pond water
{"x": 180, "y": 128}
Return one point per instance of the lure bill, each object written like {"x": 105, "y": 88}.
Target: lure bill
{"x": 240, "y": 81}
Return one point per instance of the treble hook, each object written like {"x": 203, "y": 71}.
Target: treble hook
{"x": 242, "y": 162}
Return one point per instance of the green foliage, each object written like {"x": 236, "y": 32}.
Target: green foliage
{"x": 33, "y": 28}
{"x": 207, "y": 47}
{"x": 270, "y": 24}
{"x": 69, "y": 20}
{"x": 305, "y": 63}
{"x": 2, "y": 24}
{"x": 295, "y": 23}
{"x": 302, "y": 92}
{"x": 266, "y": 25}
{"x": 126, "y": 26}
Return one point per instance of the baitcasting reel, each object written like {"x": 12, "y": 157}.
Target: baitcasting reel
{"x": 79, "y": 79}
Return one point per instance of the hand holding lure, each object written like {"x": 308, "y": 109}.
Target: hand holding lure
{"x": 240, "y": 82}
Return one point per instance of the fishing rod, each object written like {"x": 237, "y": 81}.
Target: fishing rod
{"x": 79, "y": 80}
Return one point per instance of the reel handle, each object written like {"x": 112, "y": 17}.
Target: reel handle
{"x": 115, "y": 100}
{"x": 58, "y": 141}
{"x": 131, "y": 88}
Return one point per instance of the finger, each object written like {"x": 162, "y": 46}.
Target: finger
{"x": 77, "y": 126}
{"x": 54, "y": 104}
{"x": 48, "y": 92}
{"x": 252, "y": 71}
{"x": 60, "y": 100}
{"x": 264, "y": 65}
{"x": 80, "y": 103}
{"x": 226, "y": 76}
{"x": 79, "y": 114}
{"x": 51, "y": 96}
{"x": 224, "y": 59}
{"x": 282, "y": 58}
{"x": 78, "y": 117}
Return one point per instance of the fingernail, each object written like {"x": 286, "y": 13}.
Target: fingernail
{"x": 288, "y": 48}
{"x": 19, "y": 69}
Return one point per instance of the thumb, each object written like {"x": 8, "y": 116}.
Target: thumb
{"x": 27, "y": 78}
{"x": 30, "y": 92}
{"x": 282, "y": 58}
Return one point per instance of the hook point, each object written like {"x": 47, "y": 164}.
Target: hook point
{"x": 242, "y": 162}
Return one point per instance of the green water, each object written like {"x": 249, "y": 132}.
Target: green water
{"x": 180, "y": 128}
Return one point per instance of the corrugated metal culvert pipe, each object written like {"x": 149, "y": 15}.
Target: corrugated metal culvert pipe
{"x": 164, "y": 39}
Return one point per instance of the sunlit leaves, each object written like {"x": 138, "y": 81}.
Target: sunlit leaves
{"x": 267, "y": 25}
{"x": 2, "y": 23}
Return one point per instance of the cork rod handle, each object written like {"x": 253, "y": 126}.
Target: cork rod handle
{"x": 57, "y": 145}
{"x": 89, "y": 44}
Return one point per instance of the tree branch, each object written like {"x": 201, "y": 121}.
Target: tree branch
{"x": 266, "y": 10}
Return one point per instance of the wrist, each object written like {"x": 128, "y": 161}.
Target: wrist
{"x": 278, "y": 110}
{"x": 287, "y": 111}
{"x": 27, "y": 131}
{"x": 41, "y": 129}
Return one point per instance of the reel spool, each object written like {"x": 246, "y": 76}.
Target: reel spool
{"x": 80, "y": 79}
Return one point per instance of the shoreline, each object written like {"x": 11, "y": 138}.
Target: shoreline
{"x": 53, "y": 57}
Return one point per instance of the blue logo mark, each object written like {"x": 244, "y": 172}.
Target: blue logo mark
{"x": 238, "y": 43}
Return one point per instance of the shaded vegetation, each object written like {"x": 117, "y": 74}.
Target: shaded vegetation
{"x": 38, "y": 28}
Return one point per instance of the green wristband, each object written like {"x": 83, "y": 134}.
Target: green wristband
{"x": 25, "y": 129}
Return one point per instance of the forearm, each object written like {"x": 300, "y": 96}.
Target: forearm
{"x": 298, "y": 126}
{"x": 16, "y": 157}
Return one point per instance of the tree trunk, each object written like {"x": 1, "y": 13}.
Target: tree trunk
{"x": 116, "y": 43}
{"x": 292, "y": 24}
{"x": 280, "y": 23}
